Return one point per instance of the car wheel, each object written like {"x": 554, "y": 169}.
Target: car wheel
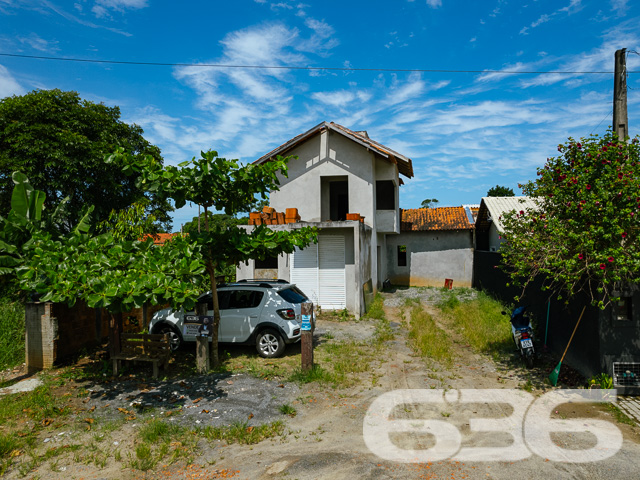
{"x": 269, "y": 344}
{"x": 174, "y": 337}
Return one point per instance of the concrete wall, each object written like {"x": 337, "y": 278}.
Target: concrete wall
{"x": 331, "y": 156}
{"x": 432, "y": 257}
{"x": 358, "y": 263}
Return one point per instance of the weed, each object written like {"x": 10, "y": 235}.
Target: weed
{"x": 157, "y": 430}
{"x": 241, "y": 432}
{"x": 287, "y": 409}
{"x": 427, "y": 338}
{"x": 619, "y": 415}
{"x": 11, "y": 334}
{"x": 316, "y": 374}
{"x": 481, "y": 323}
{"x": 602, "y": 380}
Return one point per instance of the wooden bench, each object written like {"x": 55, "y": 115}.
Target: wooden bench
{"x": 143, "y": 347}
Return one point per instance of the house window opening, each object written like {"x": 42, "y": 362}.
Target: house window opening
{"x": 338, "y": 200}
{"x": 385, "y": 195}
{"x": 622, "y": 309}
{"x": 402, "y": 255}
{"x": 268, "y": 262}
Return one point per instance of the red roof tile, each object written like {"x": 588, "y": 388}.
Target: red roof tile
{"x": 442, "y": 218}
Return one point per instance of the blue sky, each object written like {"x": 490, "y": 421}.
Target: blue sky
{"x": 465, "y": 132}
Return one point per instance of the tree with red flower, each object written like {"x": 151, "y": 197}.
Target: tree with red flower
{"x": 588, "y": 241}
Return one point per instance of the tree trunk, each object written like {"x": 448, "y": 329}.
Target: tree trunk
{"x": 211, "y": 269}
{"x": 115, "y": 329}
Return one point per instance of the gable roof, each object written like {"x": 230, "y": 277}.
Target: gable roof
{"x": 405, "y": 166}
{"x": 441, "y": 218}
{"x": 492, "y": 209}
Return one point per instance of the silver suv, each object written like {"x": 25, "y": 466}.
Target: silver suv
{"x": 261, "y": 312}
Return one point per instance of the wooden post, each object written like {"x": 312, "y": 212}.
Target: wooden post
{"x": 307, "y": 337}
{"x": 203, "y": 358}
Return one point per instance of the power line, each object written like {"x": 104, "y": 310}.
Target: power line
{"x": 283, "y": 67}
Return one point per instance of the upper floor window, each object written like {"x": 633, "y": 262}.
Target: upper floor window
{"x": 385, "y": 195}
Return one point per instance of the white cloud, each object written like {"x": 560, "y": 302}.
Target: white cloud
{"x": 434, "y": 3}
{"x": 40, "y": 44}
{"x": 619, "y": 6}
{"x": 8, "y": 85}
{"x": 573, "y": 7}
{"x": 336, "y": 99}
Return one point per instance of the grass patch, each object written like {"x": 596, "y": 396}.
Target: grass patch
{"x": 480, "y": 322}
{"x": 619, "y": 415}
{"x": 11, "y": 334}
{"x": 38, "y": 405}
{"x": 427, "y": 339}
{"x": 287, "y": 409}
{"x": 316, "y": 374}
{"x": 241, "y": 432}
{"x": 376, "y": 313}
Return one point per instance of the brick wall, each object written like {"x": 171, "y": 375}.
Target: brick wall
{"x": 55, "y": 331}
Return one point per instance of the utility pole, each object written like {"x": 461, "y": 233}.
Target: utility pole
{"x": 620, "y": 120}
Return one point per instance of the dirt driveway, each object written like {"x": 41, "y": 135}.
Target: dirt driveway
{"x": 325, "y": 438}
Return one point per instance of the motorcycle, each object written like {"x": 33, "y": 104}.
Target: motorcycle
{"x": 522, "y": 334}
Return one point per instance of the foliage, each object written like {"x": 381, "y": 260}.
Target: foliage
{"x": 429, "y": 202}
{"x": 111, "y": 274}
{"x": 602, "y": 380}
{"x": 11, "y": 334}
{"x": 583, "y": 235}
{"x": 217, "y": 221}
{"x": 226, "y": 186}
{"x": 131, "y": 223}
{"x": 59, "y": 141}
{"x": 500, "y": 191}
{"x": 25, "y": 218}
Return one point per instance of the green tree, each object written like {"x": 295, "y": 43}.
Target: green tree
{"x": 129, "y": 224}
{"x": 59, "y": 142}
{"x": 223, "y": 185}
{"x": 583, "y": 236}
{"x": 500, "y": 191}
{"x": 429, "y": 202}
{"x": 113, "y": 274}
{"x": 217, "y": 221}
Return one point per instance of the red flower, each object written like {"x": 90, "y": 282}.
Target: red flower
{"x": 580, "y": 256}
{"x": 602, "y": 266}
{"x": 610, "y": 259}
{"x": 624, "y": 234}
{"x": 588, "y": 187}
{"x": 521, "y": 212}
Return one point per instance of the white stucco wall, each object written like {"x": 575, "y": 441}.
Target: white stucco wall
{"x": 432, "y": 257}
{"x": 330, "y": 155}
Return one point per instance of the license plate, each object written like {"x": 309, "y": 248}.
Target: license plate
{"x": 526, "y": 343}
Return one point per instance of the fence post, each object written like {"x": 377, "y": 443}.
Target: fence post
{"x": 307, "y": 328}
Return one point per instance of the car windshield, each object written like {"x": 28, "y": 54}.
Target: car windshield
{"x": 293, "y": 295}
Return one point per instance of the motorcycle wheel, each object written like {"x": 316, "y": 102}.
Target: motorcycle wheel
{"x": 529, "y": 357}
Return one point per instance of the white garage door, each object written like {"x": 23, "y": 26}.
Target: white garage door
{"x": 319, "y": 271}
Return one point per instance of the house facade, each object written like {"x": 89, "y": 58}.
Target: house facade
{"x": 337, "y": 172}
{"x": 434, "y": 244}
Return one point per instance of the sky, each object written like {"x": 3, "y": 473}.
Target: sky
{"x": 433, "y": 80}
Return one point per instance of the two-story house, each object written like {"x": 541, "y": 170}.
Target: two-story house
{"x": 337, "y": 172}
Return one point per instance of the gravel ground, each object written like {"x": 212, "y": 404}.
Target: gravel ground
{"x": 215, "y": 400}
{"x": 426, "y": 295}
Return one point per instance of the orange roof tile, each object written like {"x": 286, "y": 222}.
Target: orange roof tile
{"x": 441, "y": 218}
{"x": 159, "y": 238}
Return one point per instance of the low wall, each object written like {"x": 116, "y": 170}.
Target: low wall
{"x": 55, "y": 331}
